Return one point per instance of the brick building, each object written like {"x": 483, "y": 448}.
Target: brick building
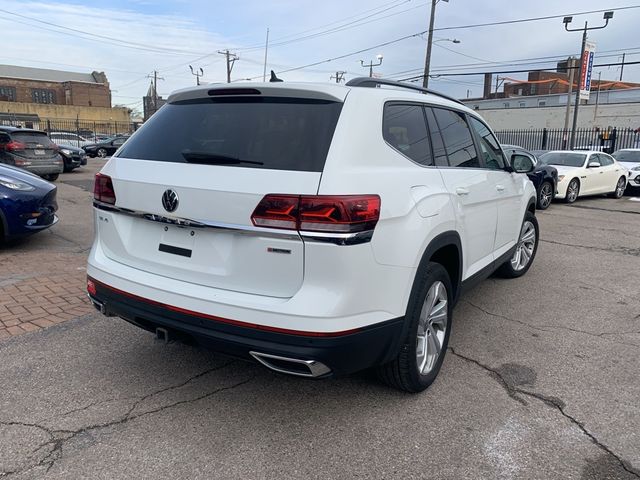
{"x": 53, "y": 87}
{"x": 548, "y": 83}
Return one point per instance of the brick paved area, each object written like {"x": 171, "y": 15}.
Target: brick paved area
{"x": 43, "y": 278}
{"x": 40, "y": 290}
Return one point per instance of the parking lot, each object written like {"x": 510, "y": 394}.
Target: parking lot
{"x": 540, "y": 381}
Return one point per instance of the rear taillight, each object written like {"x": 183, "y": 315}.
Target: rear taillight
{"x": 318, "y": 213}
{"x": 14, "y": 146}
{"x": 103, "y": 189}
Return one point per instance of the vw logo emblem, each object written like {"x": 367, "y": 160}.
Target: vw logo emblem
{"x": 170, "y": 200}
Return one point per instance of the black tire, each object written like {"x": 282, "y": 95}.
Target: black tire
{"x": 67, "y": 165}
{"x": 52, "y": 177}
{"x": 102, "y": 153}
{"x": 507, "y": 269}
{"x": 402, "y": 372}
{"x": 545, "y": 195}
{"x": 621, "y": 185}
{"x": 570, "y": 198}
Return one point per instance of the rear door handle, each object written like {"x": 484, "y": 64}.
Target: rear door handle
{"x": 462, "y": 191}
{"x": 500, "y": 188}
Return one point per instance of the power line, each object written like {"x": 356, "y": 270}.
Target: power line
{"x": 89, "y": 35}
{"x": 534, "y": 19}
{"x": 418, "y": 77}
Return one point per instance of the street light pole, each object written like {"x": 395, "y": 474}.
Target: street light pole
{"x": 427, "y": 59}
{"x": 567, "y": 21}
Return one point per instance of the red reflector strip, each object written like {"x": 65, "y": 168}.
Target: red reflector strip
{"x": 215, "y": 318}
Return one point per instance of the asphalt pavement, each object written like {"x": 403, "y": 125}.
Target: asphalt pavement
{"x": 541, "y": 381}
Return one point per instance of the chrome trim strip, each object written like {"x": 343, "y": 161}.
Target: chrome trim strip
{"x": 320, "y": 237}
{"x": 338, "y": 238}
{"x": 316, "y": 368}
{"x": 188, "y": 223}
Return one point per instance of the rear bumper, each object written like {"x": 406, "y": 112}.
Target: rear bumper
{"x": 342, "y": 352}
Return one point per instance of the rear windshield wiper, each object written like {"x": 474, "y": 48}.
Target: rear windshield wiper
{"x": 214, "y": 158}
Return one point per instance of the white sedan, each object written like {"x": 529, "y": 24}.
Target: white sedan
{"x": 630, "y": 159}
{"x": 586, "y": 173}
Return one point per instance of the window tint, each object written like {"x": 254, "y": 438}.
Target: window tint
{"x": 457, "y": 138}
{"x": 439, "y": 153}
{"x": 271, "y": 132}
{"x": 595, "y": 158}
{"x": 605, "y": 160}
{"x": 39, "y": 138}
{"x": 405, "y": 130}
{"x": 119, "y": 141}
{"x": 489, "y": 146}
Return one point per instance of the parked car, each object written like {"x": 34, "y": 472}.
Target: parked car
{"x": 68, "y": 138}
{"x": 543, "y": 177}
{"x": 27, "y": 203}
{"x": 317, "y": 229}
{"x": 586, "y": 173}
{"x": 31, "y": 150}
{"x": 630, "y": 159}
{"x": 73, "y": 157}
{"x": 105, "y": 148}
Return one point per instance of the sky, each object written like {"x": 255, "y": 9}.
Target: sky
{"x": 130, "y": 39}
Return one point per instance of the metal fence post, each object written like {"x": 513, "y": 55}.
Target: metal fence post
{"x": 544, "y": 139}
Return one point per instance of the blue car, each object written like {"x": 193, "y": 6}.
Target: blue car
{"x": 27, "y": 203}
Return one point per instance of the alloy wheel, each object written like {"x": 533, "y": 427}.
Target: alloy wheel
{"x": 621, "y": 185}
{"x": 546, "y": 194}
{"x": 572, "y": 191}
{"x": 432, "y": 327}
{"x": 526, "y": 245}
{"x": 102, "y": 153}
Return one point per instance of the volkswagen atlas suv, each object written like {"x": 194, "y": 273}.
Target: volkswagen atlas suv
{"x": 317, "y": 229}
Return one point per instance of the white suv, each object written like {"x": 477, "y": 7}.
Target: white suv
{"x": 318, "y": 229}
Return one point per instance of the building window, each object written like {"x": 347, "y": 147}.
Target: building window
{"x": 521, "y": 104}
{"x": 534, "y": 89}
{"x": 7, "y": 94}
{"x": 43, "y": 95}
{"x": 542, "y": 103}
{"x": 519, "y": 92}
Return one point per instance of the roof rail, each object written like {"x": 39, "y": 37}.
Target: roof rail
{"x": 377, "y": 82}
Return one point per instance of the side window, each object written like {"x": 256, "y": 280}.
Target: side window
{"x": 605, "y": 159}
{"x": 489, "y": 146}
{"x": 4, "y": 138}
{"x": 595, "y": 158}
{"x": 404, "y": 128}
{"x": 118, "y": 141}
{"x": 439, "y": 153}
{"x": 457, "y": 138}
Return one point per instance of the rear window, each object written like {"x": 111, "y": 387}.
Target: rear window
{"x": 32, "y": 137}
{"x": 257, "y": 132}
{"x": 627, "y": 156}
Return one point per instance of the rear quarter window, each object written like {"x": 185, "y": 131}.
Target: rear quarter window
{"x": 260, "y": 132}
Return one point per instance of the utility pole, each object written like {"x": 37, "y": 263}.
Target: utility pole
{"x": 567, "y": 20}
{"x": 197, "y": 73}
{"x": 427, "y": 60}
{"x": 371, "y": 64}
{"x": 339, "y": 76}
{"x": 571, "y": 65}
{"x": 266, "y": 48}
{"x": 622, "y": 66}
{"x": 154, "y": 83}
{"x": 231, "y": 59}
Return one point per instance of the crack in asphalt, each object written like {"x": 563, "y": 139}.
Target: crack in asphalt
{"x": 554, "y": 402}
{"x": 585, "y": 207}
{"x": 58, "y": 437}
{"x": 635, "y": 252}
{"x": 549, "y": 328}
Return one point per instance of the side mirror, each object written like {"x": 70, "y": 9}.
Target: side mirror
{"x": 521, "y": 163}
{"x": 593, "y": 165}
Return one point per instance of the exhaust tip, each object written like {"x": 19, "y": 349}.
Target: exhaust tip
{"x": 292, "y": 366}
